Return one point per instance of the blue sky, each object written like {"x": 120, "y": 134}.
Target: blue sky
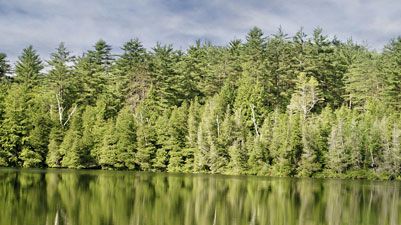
{"x": 80, "y": 23}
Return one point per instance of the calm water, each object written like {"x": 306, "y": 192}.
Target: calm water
{"x": 30, "y": 197}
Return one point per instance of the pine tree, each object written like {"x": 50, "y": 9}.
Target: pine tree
{"x": 162, "y": 157}
{"x": 306, "y": 96}
{"x": 54, "y": 155}
{"x": 391, "y": 64}
{"x": 285, "y": 145}
{"x": 16, "y": 125}
{"x": 126, "y": 138}
{"x": 167, "y": 82}
{"x": 250, "y": 100}
{"x": 131, "y": 73}
{"x": 177, "y": 130}
{"x": 191, "y": 136}
{"x": 28, "y": 68}
{"x": 338, "y": 153}
{"x": 279, "y": 68}
{"x": 364, "y": 81}
{"x": 70, "y": 148}
{"x": 108, "y": 153}
{"x": 146, "y": 139}
{"x": 92, "y": 72}
{"x": 225, "y": 139}
{"x": 93, "y": 119}
{"x": 61, "y": 82}
{"x": 259, "y": 155}
{"x": 326, "y": 64}
{"x": 4, "y": 66}
{"x": 237, "y": 151}
{"x": 34, "y": 150}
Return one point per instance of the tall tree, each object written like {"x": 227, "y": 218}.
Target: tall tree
{"x": 28, "y": 68}
{"x": 61, "y": 83}
{"x": 4, "y": 66}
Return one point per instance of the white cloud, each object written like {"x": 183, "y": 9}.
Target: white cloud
{"x": 45, "y": 23}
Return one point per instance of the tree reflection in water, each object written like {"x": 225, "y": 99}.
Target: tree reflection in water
{"x": 103, "y": 197}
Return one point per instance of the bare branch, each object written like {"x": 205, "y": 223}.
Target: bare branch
{"x": 70, "y": 115}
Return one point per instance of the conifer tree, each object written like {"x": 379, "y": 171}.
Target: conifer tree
{"x": 338, "y": 153}
{"x": 364, "y": 81}
{"x": 28, "y": 68}
{"x": 279, "y": 69}
{"x": 161, "y": 160}
{"x": 131, "y": 73}
{"x": 70, "y": 148}
{"x": 54, "y": 155}
{"x": 146, "y": 139}
{"x": 303, "y": 100}
{"x": 191, "y": 136}
{"x": 259, "y": 155}
{"x": 392, "y": 72}
{"x": 4, "y": 66}
{"x": 34, "y": 151}
{"x": 125, "y": 131}
{"x": 176, "y": 142}
{"x": 16, "y": 125}
{"x": 108, "y": 154}
{"x": 285, "y": 145}
{"x": 61, "y": 83}
{"x": 237, "y": 151}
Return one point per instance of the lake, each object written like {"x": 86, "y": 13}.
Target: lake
{"x": 30, "y": 197}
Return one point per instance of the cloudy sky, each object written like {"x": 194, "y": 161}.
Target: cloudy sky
{"x": 80, "y": 23}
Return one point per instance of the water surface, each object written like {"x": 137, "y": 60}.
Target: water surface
{"x": 30, "y": 197}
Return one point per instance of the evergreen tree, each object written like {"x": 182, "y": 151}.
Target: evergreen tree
{"x": 238, "y": 151}
{"x": 61, "y": 83}
{"x": 285, "y": 145}
{"x": 54, "y": 155}
{"x": 4, "y": 66}
{"x": 302, "y": 103}
{"x": 28, "y": 68}
{"x": 125, "y": 131}
{"x": 364, "y": 80}
{"x": 279, "y": 68}
{"x": 177, "y": 130}
{"x": 70, "y": 148}
{"x": 34, "y": 150}
{"x": 15, "y": 126}
{"x": 146, "y": 139}
{"x": 191, "y": 136}
{"x": 131, "y": 73}
{"x": 391, "y": 63}
{"x": 167, "y": 82}
{"x": 108, "y": 153}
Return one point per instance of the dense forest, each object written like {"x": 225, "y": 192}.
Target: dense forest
{"x": 275, "y": 105}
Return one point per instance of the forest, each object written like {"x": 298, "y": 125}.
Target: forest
{"x": 305, "y": 105}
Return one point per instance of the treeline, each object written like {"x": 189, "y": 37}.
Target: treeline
{"x": 270, "y": 105}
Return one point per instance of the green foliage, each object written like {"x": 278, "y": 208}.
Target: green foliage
{"x": 28, "y": 68}
{"x": 306, "y": 106}
{"x": 16, "y": 125}
{"x": 4, "y": 66}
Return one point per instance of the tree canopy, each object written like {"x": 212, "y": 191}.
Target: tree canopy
{"x": 278, "y": 105}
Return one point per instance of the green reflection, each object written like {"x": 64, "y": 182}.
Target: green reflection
{"x": 105, "y": 197}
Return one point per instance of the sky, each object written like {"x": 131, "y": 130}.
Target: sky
{"x": 80, "y": 23}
